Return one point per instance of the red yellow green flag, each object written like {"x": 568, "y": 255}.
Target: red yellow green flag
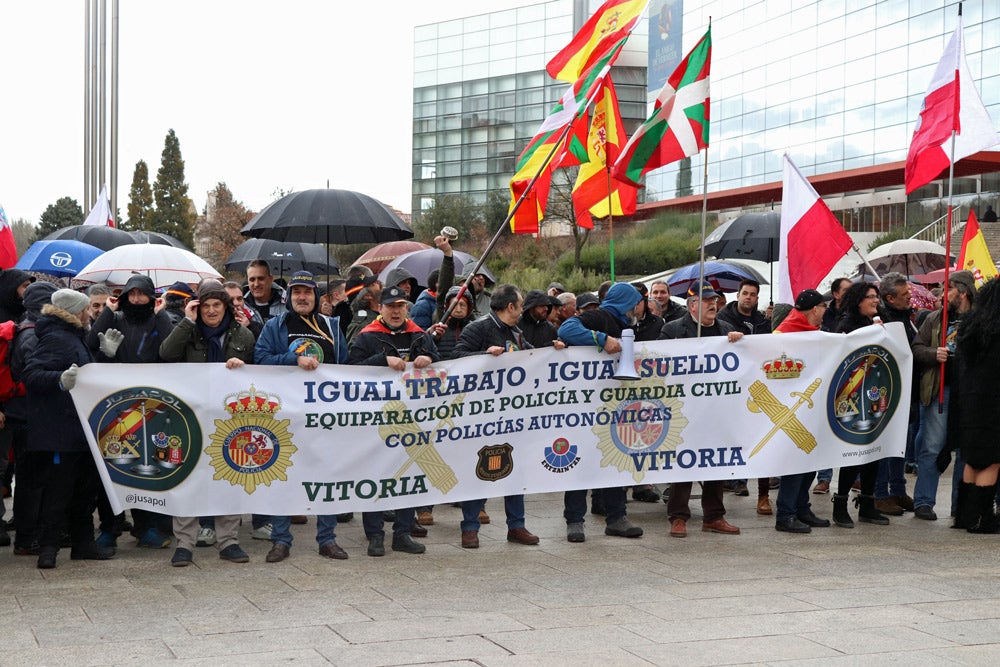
{"x": 604, "y": 141}
{"x": 678, "y": 126}
{"x": 598, "y": 36}
{"x": 975, "y": 255}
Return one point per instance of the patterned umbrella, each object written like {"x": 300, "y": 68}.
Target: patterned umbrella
{"x": 724, "y": 276}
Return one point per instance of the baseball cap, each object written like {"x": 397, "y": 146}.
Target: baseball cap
{"x": 302, "y": 278}
{"x": 393, "y": 295}
{"x": 809, "y": 299}
{"x": 585, "y": 300}
{"x": 702, "y": 291}
{"x": 555, "y": 285}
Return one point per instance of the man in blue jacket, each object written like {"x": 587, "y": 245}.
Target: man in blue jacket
{"x": 302, "y": 337}
{"x": 602, "y": 327}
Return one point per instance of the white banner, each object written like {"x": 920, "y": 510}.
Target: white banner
{"x": 198, "y": 439}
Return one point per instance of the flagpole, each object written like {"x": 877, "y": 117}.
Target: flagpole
{"x": 611, "y": 215}
{"x": 704, "y": 217}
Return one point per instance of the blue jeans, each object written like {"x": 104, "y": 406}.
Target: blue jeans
{"x": 281, "y": 529}
{"x": 373, "y": 522}
{"x": 890, "y": 480}
{"x": 931, "y": 439}
{"x": 825, "y": 475}
{"x": 513, "y": 507}
{"x": 793, "y": 496}
{"x": 575, "y": 504}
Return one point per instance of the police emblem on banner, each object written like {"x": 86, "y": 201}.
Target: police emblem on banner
{"x": 495, "y": 462}
{"x": 149, "y": 438}
{"x": 560, "y": 456}
{"x": 864, "y": 395}
{"x": 251, "y": 447}
{"x": 638, "y": 420}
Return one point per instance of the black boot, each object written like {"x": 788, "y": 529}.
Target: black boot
{"x": 840, "y": 515}
{"x": 867, "y": 512}
{"x": 984, "y": 498}
{"x": 962, "y": 509}
{"x": 969, "y": 510}
{"x": 47, "y": 558}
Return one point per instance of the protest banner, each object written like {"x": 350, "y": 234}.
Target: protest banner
{"x": 199, "y": 439}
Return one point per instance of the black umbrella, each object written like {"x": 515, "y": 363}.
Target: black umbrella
{"x": 750, "y": 236}
{"x": 160, "y": 238}
{"x": 283, "y": 256}
{"x": 340, "y": 217}
{"x": 99, "y": 236}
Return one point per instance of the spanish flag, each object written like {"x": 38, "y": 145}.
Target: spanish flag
{"x": 610, "y": 23}
{"x": 975, "y": 256}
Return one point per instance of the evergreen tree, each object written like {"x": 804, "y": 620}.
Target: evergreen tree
{"x": 65, "y": 212}
{"x": 219, "y": 229}
{"x": 140, "y": 199}
{"x": 174, "y": 214}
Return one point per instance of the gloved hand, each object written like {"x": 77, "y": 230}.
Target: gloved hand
{"x": 110, "y": 340}
{"x": 68, "y": 378}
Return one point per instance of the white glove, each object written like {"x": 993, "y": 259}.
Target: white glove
{"x": 110, "y": 340}
{"x": 68, "y": 378}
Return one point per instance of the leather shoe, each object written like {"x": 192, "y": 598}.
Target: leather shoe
{"x": 299, "y": 519}
{"x": 888, "y": 506}
{"x": 376, "y": 545}
{"x": 484, "y": 518}
{"x": 47, "y": 558}
{"x": 278, "y": 553}
{"x": 521, "y": 536}
{"x": 678, "y": 528}
{"x": 720, "y": 526}
{"x": 813, "y": 521}
{"x": 822, "y": 486}
{"x": 904, "y": 501}
{"x": 425, "y": 518}
{"x": 925, "y": 512}
{"x": 792, "y": 525}
{"x": 403, "y": 542}
{"x": 764, "y": 506}
{"x": 332, "y": 550}
{"x": 645, "y": 494}
{"x": 470, "y": 539}
{"x": 418, "y": 531}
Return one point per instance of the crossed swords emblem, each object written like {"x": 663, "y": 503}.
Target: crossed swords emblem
{"x": 784, "y": 419}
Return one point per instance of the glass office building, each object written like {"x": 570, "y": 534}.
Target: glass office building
{"x": 837, "y": 84}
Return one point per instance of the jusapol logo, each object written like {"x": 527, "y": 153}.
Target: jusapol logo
{"x": 864, "y": 395}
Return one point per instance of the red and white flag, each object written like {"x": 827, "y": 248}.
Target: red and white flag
{"x": 8, "y": 250}
{"x": 812, "y": 239}
{"x": 101, "y": 213}
{"x": 952, "y": 103}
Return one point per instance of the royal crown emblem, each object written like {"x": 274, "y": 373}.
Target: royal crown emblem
{"x": 252, "y": 447}
{"x": 783, "y": 368}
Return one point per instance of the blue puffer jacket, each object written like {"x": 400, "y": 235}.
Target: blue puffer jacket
{"x": 272, "y": 345}
{"x": 594, "y": 326}
{"x": 52, "y": 418}
{"x": 423, "y": 310}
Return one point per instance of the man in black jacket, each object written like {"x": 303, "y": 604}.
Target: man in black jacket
{"x": 496, "y": 334}
{"x": 57, "y": 445}
{"x": 534, "y": 320}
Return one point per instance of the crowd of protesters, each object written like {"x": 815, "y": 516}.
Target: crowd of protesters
{"x": 360, "y": 321}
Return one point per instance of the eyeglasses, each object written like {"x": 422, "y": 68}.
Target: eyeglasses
{"x": 872, "y": 296}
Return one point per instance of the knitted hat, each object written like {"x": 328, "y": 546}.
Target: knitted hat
{"x": 71, "y": 301}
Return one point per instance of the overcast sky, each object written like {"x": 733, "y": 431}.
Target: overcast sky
{"x": 262, "y": 95}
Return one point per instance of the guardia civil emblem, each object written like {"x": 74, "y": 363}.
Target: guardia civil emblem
{"x": 251, "y": 447}
{"x": 148, "y": 438}
{"x": 864, "y": 395}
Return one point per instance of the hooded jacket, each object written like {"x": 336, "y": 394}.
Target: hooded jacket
{"x": 540, "y": 333}
{"x": 592, "y": 327}
{"x": 52, "y": 419}
{"x": 399, "y": 275}
{"x": 11, "y": 307}
{"x": 376, "y": 342}
{"x": 271, "y": 308}
{"x": 145, "y": 330}
{"x": 25, "y": 341}
{"x": 272, "y": 345}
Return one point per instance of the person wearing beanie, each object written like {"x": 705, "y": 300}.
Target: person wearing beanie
{"x": 57, "y": 446}
{"x": 15, "y": 411}
{"x": 302, "y": 336}
{"x": 13, "y": 282}
{"x": 209, "y": 332}
{"x": 928, "y": 357}
{"x": 130, "y": 331}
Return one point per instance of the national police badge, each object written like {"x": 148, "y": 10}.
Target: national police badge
{"x": 252, "y": 447}
{"x": 149, "y": 438}
{"x": 864, "y": 394}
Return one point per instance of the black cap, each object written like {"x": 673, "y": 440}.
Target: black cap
{"x": 809, "y": 299}
{"x": 586, "y": 299}
{"x": 703, "y": 291}
{"x": 393, "y": 295}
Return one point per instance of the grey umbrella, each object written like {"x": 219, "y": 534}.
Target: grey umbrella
{"x": 421, "y": 262}
{"x": 143, "y": 236}
{"x": 340, "y": 217}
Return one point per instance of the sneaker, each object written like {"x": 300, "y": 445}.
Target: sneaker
{"x": 106, "y": 539}
{"x": 182, "y": 557}
{"x": 206, "y": 537}
{"x": 821, "y": 487}
{"x": 425, "y": 518}
{"x": 403, "y": 542}
{"x": 574, "y": 532}
{"x": 234, "y": 554}
{"x": 740, "y": 489}
{"x": 623, "y": 528}
{"x": 152, "y": 539}
{"x": 262, "y": 533}
{"x": 376, "y": 545}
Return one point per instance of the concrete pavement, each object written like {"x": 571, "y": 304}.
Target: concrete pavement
{"x": 914, "y": 593}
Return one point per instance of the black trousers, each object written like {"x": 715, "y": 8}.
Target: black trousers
{"x": 69, "y": 483}
{"x": 868, "y": 472}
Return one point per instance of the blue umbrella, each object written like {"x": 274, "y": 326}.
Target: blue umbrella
{"x": 724, "y": 275}
{"x": 62, "y": 258}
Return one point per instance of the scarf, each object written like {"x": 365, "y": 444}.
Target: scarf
{"x": 215, "y": 337}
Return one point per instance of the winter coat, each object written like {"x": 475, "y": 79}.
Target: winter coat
{"x": 648, "y": 328}
{"x": 756, "y": 323}
{"x": 52, "y": 419}
{"x": 23, "y": 346}
{"x": 271, "y": 309}
{"x": 795, "y": 322}
{"x": 11, "y": 307}
{"x": 488, "y": 332}
{"x": 540, "y": 333}
{"x": 423, "y": 310}
{"x": 142, "y": 339}
{"x": 376, "y": 342}
{"x": 399, "y": 275}
{"x": 592, "y": 327}
{"x": 186, "y": 343}
{"x": 686, "y": 327}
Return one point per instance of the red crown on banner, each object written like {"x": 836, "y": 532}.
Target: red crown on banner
{"x": 252, "y": 402}
{"x": 782, "y": 368}
{"x": 419, "y": 374}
